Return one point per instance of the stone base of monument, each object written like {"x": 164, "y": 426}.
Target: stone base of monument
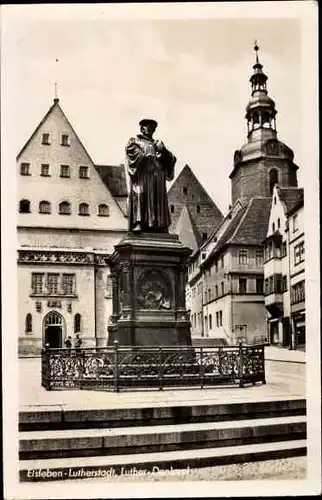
{"x": 149, "y": 279}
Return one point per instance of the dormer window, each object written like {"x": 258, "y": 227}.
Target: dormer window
{"x": 25, "y": 169}
{"x": 198, "y": 209}
{"x": 44, "y": 170}
{"x": 65, "y": 140}
{"x": 204, "y": 236}
{"x": 185, "y": 190}
{"x": 64, "y": 208}
{"x": 83, "y": 172}
{"x": 64, "y": 171}
{"x": 83, "y": 209}
{"x": 103, "y": 210}
{"x": 172, "y": 209}
{"x": 44, "y": 207}
{"x": 24, "y": 206}
{"x": 45, "y": 139}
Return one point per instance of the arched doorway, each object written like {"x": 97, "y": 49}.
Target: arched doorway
{"x": 53, "y": 330}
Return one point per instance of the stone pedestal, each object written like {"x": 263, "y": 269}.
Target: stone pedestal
{"x": 149, "y": 278}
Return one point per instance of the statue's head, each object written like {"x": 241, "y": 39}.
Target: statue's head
{"x": 148, "y": 126}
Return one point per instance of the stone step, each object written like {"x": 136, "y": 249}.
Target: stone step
{"x": 51, "y": 418}
{"x": 87, "y": 442}
{"x": 142, "y": 463}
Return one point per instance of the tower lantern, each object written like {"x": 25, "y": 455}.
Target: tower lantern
{"x": 260, "y": 111}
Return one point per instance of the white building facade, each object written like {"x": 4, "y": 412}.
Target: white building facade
{"x": 68, "y": 223}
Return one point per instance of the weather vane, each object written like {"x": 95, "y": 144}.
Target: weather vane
{"x": 256, "y": 48}
{"x": 56, "y": 85}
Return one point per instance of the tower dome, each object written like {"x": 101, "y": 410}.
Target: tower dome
{"x": 263, "y": 157}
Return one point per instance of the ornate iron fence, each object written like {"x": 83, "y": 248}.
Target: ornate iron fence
{"x": 114, "y": 368}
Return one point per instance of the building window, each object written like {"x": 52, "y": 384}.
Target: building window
{"x": 222, "y": 261}
{"x": 242, "y": 256}
{"x": 295, "y": 225}
{"x": 64, "y": 171}
{"x": 203, "y": 256}
{"x": 284, "y": 283}
{"x": 84, "y": 172}
{"x": 274, "y": 200}
{"x": 270, "y": 250}
{"x": 53, "y": 283}
{"x": 38, "y": 307}
{"x": 242, "y": 285}
{"x": 298, "y": 292}
{"x": 44, "y": 170}
{"x": 68, "y": 284}
{"x": 206, "y": 323}
{"x": 209, "y": 294}
{"x": 266, "y": 286}
{"x": 103, "y": 210}
{"x": 65, "y": 140}
{"x": 216, "y": 266}
{"x": 216, "y": 290}
{"x": 222, "y": 288}
{"x": 259, "y": 285}
{"x": 44, "y": 207}
{"x": 273, "y": 179}
{"x": 37, "y": 282}
{"x": 172, "y": 209}
{"x": 204, "y": 236}
{"x": 210, "y": 321}
{"x": 283, "y": 249}
{"x": 28, "y": 323}
{"x": 64, "y": 208}
{"x": 198, "y": 209}
{"x": 45, "y": 139}
{"x": 241, "y": 331}
{"x": 24, "y": 206}
{"x": 259, "y": 257}
{"x": 273, "y": 227}
{"x": 299, "y": 253}
{"x": 83, "y": 209}
{"x": 77, "y": 323}
{"x": 278, "y": 223}
{"x": 185, "y": 190}
{"x": 220, "y": 318}
{"x": 25, "y": 169}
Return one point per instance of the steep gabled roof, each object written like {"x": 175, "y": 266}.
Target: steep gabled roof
{"x": 252, "y": 228}
{"x": 187, "y": 231}
{"x": 51, "y": 109}
{"x": 207, "y": 216}
{"x": 248, "y": 226}
{"x": 291, "y": 197}
{"x": 188, "y": 173}
{"x": 113, "y": 177}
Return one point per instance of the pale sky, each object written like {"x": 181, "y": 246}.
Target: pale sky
{"x": 191, "y": 75}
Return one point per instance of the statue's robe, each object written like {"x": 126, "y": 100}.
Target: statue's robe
{"x": 148, "y": 200}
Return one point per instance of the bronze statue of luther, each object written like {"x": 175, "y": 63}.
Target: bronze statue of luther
{"x": 149, "y": 165}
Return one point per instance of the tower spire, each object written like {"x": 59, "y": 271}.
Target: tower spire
{"x": 256, "y": 48}
{"x": 56, "y": 99}
{"x": 260, "y": 111}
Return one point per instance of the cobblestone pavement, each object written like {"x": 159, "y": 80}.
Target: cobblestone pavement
{"x": 287, "y": 468}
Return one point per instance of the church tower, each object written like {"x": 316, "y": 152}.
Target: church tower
{"x": 264, "y": 160}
